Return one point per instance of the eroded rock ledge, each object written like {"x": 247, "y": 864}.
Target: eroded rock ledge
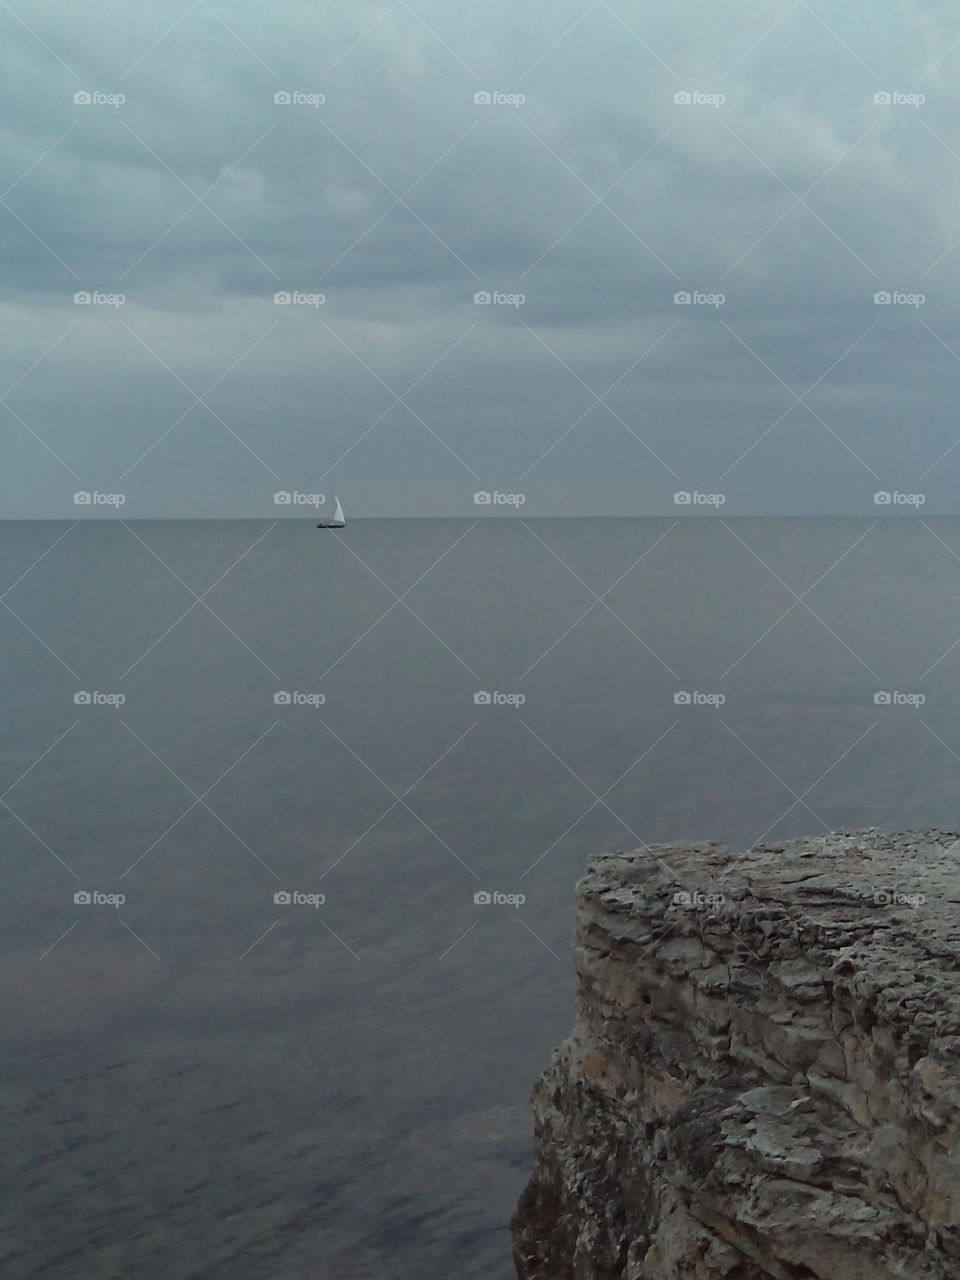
{"x": 764, "y": 1075}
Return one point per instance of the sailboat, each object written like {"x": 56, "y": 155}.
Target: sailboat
{"x": 338, "y": 520}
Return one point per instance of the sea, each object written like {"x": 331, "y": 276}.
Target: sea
{"x": 291, "y": 822}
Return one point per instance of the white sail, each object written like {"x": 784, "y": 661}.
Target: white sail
{"x": 338, "y": 511}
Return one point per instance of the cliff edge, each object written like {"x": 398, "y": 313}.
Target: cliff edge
{"x": 764, "y": 1075}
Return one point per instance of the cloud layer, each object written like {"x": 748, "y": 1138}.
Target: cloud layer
{"x": 786, "y": 167}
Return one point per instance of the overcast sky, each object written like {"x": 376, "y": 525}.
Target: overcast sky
{"x": 583, "y": 197}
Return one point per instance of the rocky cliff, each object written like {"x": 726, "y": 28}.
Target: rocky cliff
{"x": 764, "y": 1075}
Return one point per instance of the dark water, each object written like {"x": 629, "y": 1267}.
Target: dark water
{"x": 203, "y": 1083}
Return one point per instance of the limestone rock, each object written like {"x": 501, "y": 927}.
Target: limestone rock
{"x": 764, "y": 1075}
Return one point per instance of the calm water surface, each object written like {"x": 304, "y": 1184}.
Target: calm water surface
{"x": 203, "y": 1082}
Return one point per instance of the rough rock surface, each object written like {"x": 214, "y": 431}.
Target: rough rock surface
{"x": 764, "y": 1076}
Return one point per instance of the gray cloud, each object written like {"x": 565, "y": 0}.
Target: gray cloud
{"x": 597, "y": 199}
